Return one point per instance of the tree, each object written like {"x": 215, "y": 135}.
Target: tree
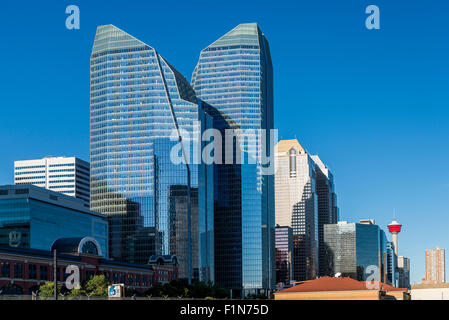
{"x": 181, "y": 289}
{"x": 76, "y": 292}
{"x": 46, "y": 290}
{"x": 96, "y": 286}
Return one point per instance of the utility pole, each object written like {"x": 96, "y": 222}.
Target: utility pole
{"x": 189, "y": 224}
{"x": 55, "y": 278}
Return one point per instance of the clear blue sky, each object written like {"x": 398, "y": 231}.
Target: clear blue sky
{"x": 372, "y": 104}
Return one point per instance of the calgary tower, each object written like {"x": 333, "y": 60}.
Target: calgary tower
{"x": 394, "y": 228}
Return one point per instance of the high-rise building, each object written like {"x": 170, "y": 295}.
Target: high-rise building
{"x": 392, "y": 269}
{"x": 296, "y": 205}
{"x": 67, "y": 175}
{"x": 234, "y": 75}
{"x": 33, "y": 217}
{"x": 356, "y": 250}
{"x": 435, "y": 265}
{"x": 284, "y": 255}
{"x": 327, "y": 205}
{"x": 403, "y": 272}
{"x": 144, "y": 117}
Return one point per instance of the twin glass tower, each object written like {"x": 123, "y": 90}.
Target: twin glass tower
{"x": 217, "y": 219}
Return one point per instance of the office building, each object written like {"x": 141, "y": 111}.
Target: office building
{"x": 435, "y": 266}
{"x": 403, "y": 272}
{"x": 392, "y": 265}
{"x": 234, "y": 75}
{"x": 356, "y": 250}
{"x": 67, "y": 175}
{"x": 142, "y": 109}
{"x": 296, "y": 205}
{"x": 226, "y": 197}
{"x": 33, "y": 217}
{"x": 327, "y": 205}
{"x": 284, "y": 255}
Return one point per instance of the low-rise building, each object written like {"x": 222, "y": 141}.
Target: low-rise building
{"x": 329, "y": 288}
{"x": 34, "y": 217}
{"x": 23, "y": 270}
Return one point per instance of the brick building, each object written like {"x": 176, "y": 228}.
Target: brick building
{"x": 23, "y": 270}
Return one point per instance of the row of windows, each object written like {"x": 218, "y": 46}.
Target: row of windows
{"x": 28, "y": 172}
{"x": 130, "y": 279}
{"x": 62, "y": 187}
{"x": 30, "y": 178}
{"x": 30, "y": 167}
{"x": 63, "y": 165}
{"x": 5, "y": 271}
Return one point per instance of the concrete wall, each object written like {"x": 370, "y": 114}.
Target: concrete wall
{"x": 329, "y": 295}
{"x": 430, "y": 294}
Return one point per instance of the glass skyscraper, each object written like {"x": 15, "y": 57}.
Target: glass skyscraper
{"x": 140, "y": 106}
{"x": 356, "y": 250}
{"x": 234, "y": 75}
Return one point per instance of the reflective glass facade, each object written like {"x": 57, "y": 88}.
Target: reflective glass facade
{"x": 353, "y": 249}
{"x": 34, "y": 217}
{"x": 284, "y": 253}
{"x": 227, "y": 202}
{"x": 234, "y": 75}
{"x": 139, "y": 108}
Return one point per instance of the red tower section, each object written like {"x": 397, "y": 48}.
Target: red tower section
{"x": 394, "y": 227}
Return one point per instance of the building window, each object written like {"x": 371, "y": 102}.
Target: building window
{"x": 32, "y": 271}
{"x": 115, "y": 278}
{"x": 5, "y": 270}
{"x": 89, "y": 274}
{"x": 130, "y": 279}
{"x": 44, "y": 272}
{"x": 18, "y": 271}
{"x": 292, "y": 163}
{"x": 61, "y": 273}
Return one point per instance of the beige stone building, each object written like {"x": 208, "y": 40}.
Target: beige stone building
{"x": 435, "y": 266}
{"x": 296, "y": 205}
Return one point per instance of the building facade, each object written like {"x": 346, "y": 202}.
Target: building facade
{"x": 435, "y": 265}
{"x": 327, "y": 206}
{"x": 392, "y": 265}
{"x": 235, "y": 75}
{"x": 24, "y": 270}
{"x": 67, "y": 175}
{"x": 33, "y": 217}
{"x": 296, "y": 205}
{"x": 403, "y": 272}
{"x": 284, "y": 255}
{"x": 142, "y": 109}
{"x": 356, "y": 250}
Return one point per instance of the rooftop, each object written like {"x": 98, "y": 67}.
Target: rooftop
{"x": 29, "y": 191}
{"x": 337, "y": 284}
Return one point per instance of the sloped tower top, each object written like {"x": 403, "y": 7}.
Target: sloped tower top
{"x": 245, "y": 33}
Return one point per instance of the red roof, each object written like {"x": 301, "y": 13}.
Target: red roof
{"x": 337, "y": 284}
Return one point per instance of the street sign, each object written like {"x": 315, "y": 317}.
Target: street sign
{"x": 116, "y": 291}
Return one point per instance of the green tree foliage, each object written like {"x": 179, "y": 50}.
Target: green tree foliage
{"x": 97, "y": 286}
{"x": 181, "y": 289}
{"x": 46, "y": 290}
